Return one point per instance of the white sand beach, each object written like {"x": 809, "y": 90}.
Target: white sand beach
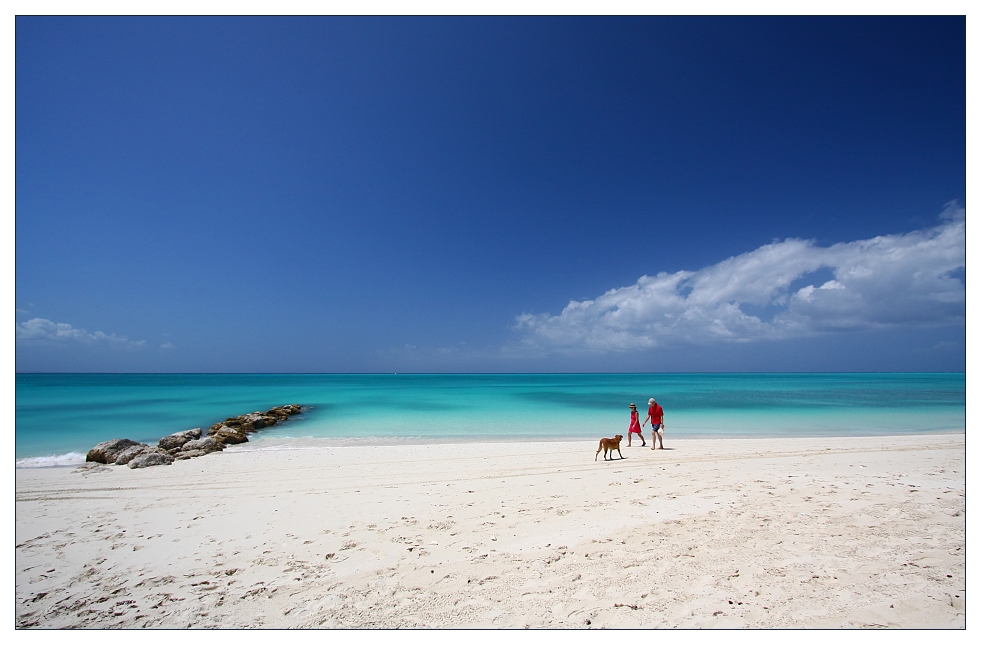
{"x": 809, "y": 532}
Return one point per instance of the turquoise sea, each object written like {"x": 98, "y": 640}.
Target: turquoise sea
{"x": 61, "y": 416}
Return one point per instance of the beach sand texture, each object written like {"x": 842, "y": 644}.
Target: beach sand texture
{"x": 803, "y": 532}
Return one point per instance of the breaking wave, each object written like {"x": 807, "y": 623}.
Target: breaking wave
{"x": 48, "y": 461}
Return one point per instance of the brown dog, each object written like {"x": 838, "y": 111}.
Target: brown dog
{"x": 609, "y": 445}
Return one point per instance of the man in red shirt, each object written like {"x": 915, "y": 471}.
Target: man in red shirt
{"x": 656, "y": 414}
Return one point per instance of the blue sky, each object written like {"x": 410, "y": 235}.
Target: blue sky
{"x": 490, "y": 194}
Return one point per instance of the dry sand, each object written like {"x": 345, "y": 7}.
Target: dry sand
{"x": 855, "y": 532}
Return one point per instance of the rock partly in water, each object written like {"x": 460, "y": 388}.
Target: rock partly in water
{"x": 188, "y": 443}
{"x": 228, "y": 435}
{"x": 156, "y": 457}
{"x": 248, "y": 423}
{"x": 107, "y": 451}
{"x": 127, "y": 455}
{"x": 258, "y": 420}
{"x": 239, "y": 425}
{"x": 208, "y": 444}
{"x": 282, "y": 412}
{"x": 178, "y": 439}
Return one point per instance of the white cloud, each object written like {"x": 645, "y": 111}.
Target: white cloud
{"x": 890, "y": 281}
{"x": 41, "y": 330}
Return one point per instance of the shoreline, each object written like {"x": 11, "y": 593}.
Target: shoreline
{"x": 58, "y": 414}
{"x": 861, "y": 532}
{"x": 74, "y": 459}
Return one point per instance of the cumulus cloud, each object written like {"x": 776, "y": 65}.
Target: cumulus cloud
{"x": 792, "y": 288}
{"x": 43, "y": 331}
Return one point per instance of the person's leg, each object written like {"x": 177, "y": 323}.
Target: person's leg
{"x": 630, "y": 436}
{"x": 660, "y": 436}
{"x": 643, "y": 442}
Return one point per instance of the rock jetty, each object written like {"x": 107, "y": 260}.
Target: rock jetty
{"x": 188, "y": 444}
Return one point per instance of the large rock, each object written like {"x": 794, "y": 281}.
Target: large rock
{"x": 249, "y": 423}
{"x": 228, "y": 435}
{"x": 208, "y": 444}
{"x": 188, "y": 443}
{"x": 127, "y": 455}
{"x": 283, "y": 412}
{"x": 221, "y": 427}
{"x": 189, "y": 454}
{"x": 242, "y": 423}
{"x": 235, "y": 424}
{"x": 238, "y": 424}
{"x": 155, "y": 458}
{"x": 178, "y": 439}
{"x": 259, "y": 420}
{"x": 107, "y": 451}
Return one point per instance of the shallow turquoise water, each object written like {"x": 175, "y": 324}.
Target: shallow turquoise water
{"x": 59, "y": 414}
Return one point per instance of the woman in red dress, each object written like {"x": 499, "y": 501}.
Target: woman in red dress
{"x": 634, "y": 426}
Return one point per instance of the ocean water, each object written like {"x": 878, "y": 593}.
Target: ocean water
{"x": 60, "y": 416}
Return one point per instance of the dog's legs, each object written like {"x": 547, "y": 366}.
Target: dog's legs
{"x": 618, "y": 450}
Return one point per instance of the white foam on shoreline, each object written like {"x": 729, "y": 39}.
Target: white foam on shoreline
{"x": 49, "y": 461}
